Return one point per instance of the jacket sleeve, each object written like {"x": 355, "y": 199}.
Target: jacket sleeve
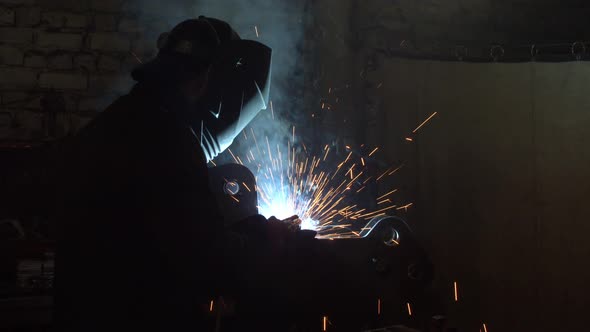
{"x": 183, "y": 216}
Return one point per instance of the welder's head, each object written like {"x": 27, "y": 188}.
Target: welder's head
{"x": 225, "y": 77}
{"x": 185, "y": 53}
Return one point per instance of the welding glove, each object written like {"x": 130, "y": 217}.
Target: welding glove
{"x": 264, "y": 234}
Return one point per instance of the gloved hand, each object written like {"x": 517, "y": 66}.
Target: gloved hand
{"x": 269, "y": 234}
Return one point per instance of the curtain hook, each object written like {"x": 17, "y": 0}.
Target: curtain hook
{"x": 496, "y": 52}
{"x": 578, "y": 50}
{"x": 460, "y": 52}
{"x": 534, "y": 52}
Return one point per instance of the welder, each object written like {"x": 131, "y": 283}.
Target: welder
{"x": 141, "y": 245}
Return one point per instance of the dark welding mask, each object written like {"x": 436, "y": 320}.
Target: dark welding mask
{"x": 238, "y": 89}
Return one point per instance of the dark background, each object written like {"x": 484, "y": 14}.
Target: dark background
{"x": 499, "y": 177}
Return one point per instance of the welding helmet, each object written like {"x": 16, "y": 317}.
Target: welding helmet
{"x": 239, "y": 78}
{"x": 239, "y": 86}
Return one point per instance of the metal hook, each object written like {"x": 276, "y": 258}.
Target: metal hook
{"x": 582, "y": 50}
{"x": 460, "y": 52}
{"x": 534, "y": 52}
{"x": 496, "y": 52}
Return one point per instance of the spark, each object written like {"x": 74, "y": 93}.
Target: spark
{"x": 325, "y": 323}
{"x": 485, "y": 328}
{"x": 363, "y": 161}
{"x": 409, "y": 309}
{"x": 389, "y": 193}
{"x": 211, "y": 306}
{"x": 397, "y": 169}
{"x": 373, "y": 152}
{"x": 380, "y": 85}
{"x": 136, "y": 57}
{"x": 255, "y": 141}
{"x": 348, "y": 157}
{"x": 318, "y": 189}
{"x": 382, "y": 175}
{"x": 378, "y": 306}
{"x": 214, "y": 164}
{"x": 409, "y": 139}
{"x": 272, "y": 110}
{"x": 423, "y": 123}
{"x": 247, "y": 188}
{"x": 256, "y": 30}
{"x": 456, "y": 293}
{"x": 405, "y": 207}
{"x": 233, "y": 156}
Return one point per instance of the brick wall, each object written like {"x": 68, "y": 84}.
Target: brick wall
{"x": 81, "y": 50}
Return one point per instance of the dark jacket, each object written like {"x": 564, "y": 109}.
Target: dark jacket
{"x": 141, "y": 243}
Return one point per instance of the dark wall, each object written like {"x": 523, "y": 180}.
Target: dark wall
{"x": 83, "y": 50}
{"x": 499, "y": 177}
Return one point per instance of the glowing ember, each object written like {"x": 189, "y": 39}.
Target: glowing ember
{"x": 423, "y": 123}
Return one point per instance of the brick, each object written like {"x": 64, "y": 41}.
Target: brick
{"x": 7, "y": 16}
{"x": 28, "y": 16}
{"x": 17, "y": 2}
{"x": 109, "y": 63}
{"x": 63, "y": 80}
{"x": 31, "y": 121}
{"x": 109, "y": 83}
{"x": 130, "y": 25}
{"x": 17, "y": 78}
{"x": 109, "y": 42}
{"x": 35, "y": 61}
{"x": 144, "y": 47}
{"x": 60, "y": 61}
{"x": 80, "y": 121}
{"x": 5, "y": 123}
{"x": 73, "y": 5}
{"x": 107, "y": 5}
{"x": 60, "y": 19}
{"x": 130, "y": 63}
{"x": 94, "y": 104}
{"x": 85, "y": 61}
{"x": 22, "y": 100}
{"x": 16, "y": 35}
{"x": 10, "y": 55}
{"x": 105, "y": 22}
{"x": 11, "y": 98}
{"x": 158, "y": 25}
{"x": 63, "y": 41}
